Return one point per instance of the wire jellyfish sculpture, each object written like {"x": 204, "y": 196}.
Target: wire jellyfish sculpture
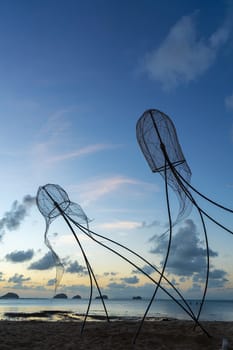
{"x": 156, "y": 135}
{"x": 52, "y": 202}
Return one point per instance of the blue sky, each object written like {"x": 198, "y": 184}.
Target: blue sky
{"x": 75, "y": 78}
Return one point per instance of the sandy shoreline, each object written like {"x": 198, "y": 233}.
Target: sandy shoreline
{"x": 117, "y": 335}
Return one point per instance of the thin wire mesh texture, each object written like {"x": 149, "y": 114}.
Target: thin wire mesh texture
{"x": 153, "y": 129}
{"x": 157, "y": 138}
{"x": 51, "y": 199}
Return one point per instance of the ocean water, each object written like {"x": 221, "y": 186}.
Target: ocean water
{"x": 213, "y": 310}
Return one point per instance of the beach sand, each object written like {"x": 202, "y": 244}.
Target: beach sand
{"x": 117, "y": 335}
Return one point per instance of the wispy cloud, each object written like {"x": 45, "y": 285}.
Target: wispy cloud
{"x": 229, "y": 106}
{"x": 87, "y": 150}
{"x": 18, "y": 279}
{"x": 54, "y": 132}
{"x": 229, "y": 102}
{"x": 93, "y": 190}
{"x": 54, "y": 140}
{"x": 121, "y": 225}
{"x": 56, "y": 125}
{"x": 12, "y": 219}
{"x": 183, "y": 56}
{"x": 154, "y": 223}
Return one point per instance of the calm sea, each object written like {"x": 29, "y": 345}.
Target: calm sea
{"x": 213, "y": 310}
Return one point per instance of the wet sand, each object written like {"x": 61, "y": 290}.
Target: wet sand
{"x": 117, "y": 335}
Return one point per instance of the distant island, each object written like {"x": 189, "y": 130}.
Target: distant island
{"x": 60, "y": 296}
{"x": 137, "y": 298}
{"x": 103, "y": 296}
{"x": 10, "y": 296}
{"x": 77, "y": 297}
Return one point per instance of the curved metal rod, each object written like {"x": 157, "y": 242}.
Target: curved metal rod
{"x": 137, "y": 255}
{"x": 189, "y": 195}
{"x": 205, "y": 197}
{"x": 216, "y": 222}
{"x": 84, "y": 230}
{"x": 90, "y": 271}
{"x": 208, "y": 263}
{"x": 166, "y": 257}
{"x": 90, "y": 296}
{"x": 177, "y": 174}
{"x": 180, "y": 180}
{"x": 91, "y": 274}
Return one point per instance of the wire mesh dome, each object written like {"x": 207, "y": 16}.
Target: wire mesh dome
{"x": 157, "y": 138}
{"x": 153, "y": 129}
{"x": 75, "y": 212}
{"x": 51, "y": 200}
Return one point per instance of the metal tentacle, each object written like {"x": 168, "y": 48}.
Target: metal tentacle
{"x": 190, "y": 313}
{"x": 166, "y": 257}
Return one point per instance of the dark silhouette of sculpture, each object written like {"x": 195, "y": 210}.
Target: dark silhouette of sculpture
{"x": 53, "y": 201}
{"x": 158, "y": 140}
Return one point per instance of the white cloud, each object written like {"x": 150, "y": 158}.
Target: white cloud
{"x": 94, "y": 190}
{"x": 121, "y": 225}
{"x": 183, "y": 56}
{"x": 44, "y": 154}
{"x": 68, "y": 240}
{"x": 54, "y": 130}
{"x": 229, "y": 102}
{"x": 54, "y": 136}
{"x": 90, "y": 149}
{"x": 56, "y": 124}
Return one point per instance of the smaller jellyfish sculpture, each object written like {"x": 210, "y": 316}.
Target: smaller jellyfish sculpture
{"x": 52, "y": 202}
{"x": 156, "y": 135}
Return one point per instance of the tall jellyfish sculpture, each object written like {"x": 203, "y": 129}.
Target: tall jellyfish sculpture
{"x": 52, "y": 202}
{"x": 156, "y": 135}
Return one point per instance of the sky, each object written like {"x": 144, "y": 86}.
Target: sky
{"x": 75, "y": 77}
